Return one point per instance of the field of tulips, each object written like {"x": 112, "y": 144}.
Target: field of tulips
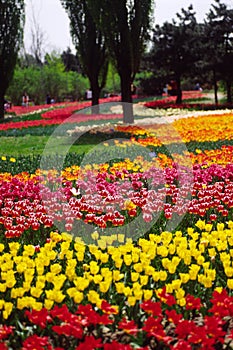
{"x": 133, "y": 253}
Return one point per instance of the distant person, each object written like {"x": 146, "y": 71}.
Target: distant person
{"x": 169, "y": 89}
{"x": 89, "y": 94}
{"x": 198, "y": 87}
{"x": 173, "y": 91}
{"x": 24, "y": 99}
{"x": 7, "y": 104}
{"x": 48, "y": 99}
{"x": 133, "y": 89}
{"x": 27, "y": 100}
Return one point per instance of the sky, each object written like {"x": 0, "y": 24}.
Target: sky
{"x": 54, "y": 21}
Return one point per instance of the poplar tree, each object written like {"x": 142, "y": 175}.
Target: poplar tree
{"x": 90, "y": 44}
{"x": 126, "y": 26}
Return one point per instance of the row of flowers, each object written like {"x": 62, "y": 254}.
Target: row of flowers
{"x": 57, "y": 120}
{"x": 207, "y": 128}
{"x": 112, "y": 196}
{"x": 47, "y": 108}
{"x": 162, "y": 324}
{"x": 51, "y": 110}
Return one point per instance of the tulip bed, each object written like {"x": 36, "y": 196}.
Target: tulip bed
{"x": 188, "y": 98}
{"x": 73, "y": 277}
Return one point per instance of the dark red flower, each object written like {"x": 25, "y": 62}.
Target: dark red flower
{"x": 128, "y": 326}
{"x": 3, "y": 346}
{"x": 154, "y": 328}
{"x": 173, "y": 317}
{"x": 167, "y": 298}
{"x": 34, "y": 342}
{"x": 117, "y": 346}
{"x": 192, "y": 303}
{"x": 69, "y": 330}
{"x": 5, "y": 331}
{"x": 106, "y": 307}
{"x": 184, "y": 328}
{"x": 39, "y": 318}
{"x": 90, "y": 343}
{"x": 213, "y": 327}
{"x": 152, "y": 307}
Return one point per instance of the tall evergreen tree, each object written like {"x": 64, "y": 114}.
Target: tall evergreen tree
{"x": 175, "y": 47}
{"x": 70, "y": 61}
{"x": 11, "y": 35}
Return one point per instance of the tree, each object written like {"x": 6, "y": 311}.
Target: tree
{"x": 54, "y": 80}
{"x": 175, "y": 47}
{"x": 11, "y": 36}
{"x": 218, "y": 45}
{"x": 38, "y": 37}
{"x": 126, "y": 26}
{"x": 90, "y": 44}
{"x": 70, "y": 61}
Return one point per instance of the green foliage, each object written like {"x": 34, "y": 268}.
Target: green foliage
{"x": 53, "y": 76}
{"x": 77, "y": 84}
{"x": 50, "y": 78}
{"x": 31, "y": 163}
{"x": 113, "y": 80}
{"x": 26, "y": 79}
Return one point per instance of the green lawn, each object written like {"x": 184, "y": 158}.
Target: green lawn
{"x": 33, "y": 145}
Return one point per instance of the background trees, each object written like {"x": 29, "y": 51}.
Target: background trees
{"x": 11, "y": 35}
{"x": 51, "y": 78}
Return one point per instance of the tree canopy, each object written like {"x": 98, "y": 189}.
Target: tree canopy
{"x": 90, "y": 44}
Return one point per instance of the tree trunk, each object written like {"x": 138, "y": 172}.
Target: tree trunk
{"x": 126, "y": 98}
{"x": 215, "y": 88}
{"x": 229, "y": 96}
{"x": 2, "y": 111}
{"x": 95, "y": 97}
{"x": 179, "y": 91}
